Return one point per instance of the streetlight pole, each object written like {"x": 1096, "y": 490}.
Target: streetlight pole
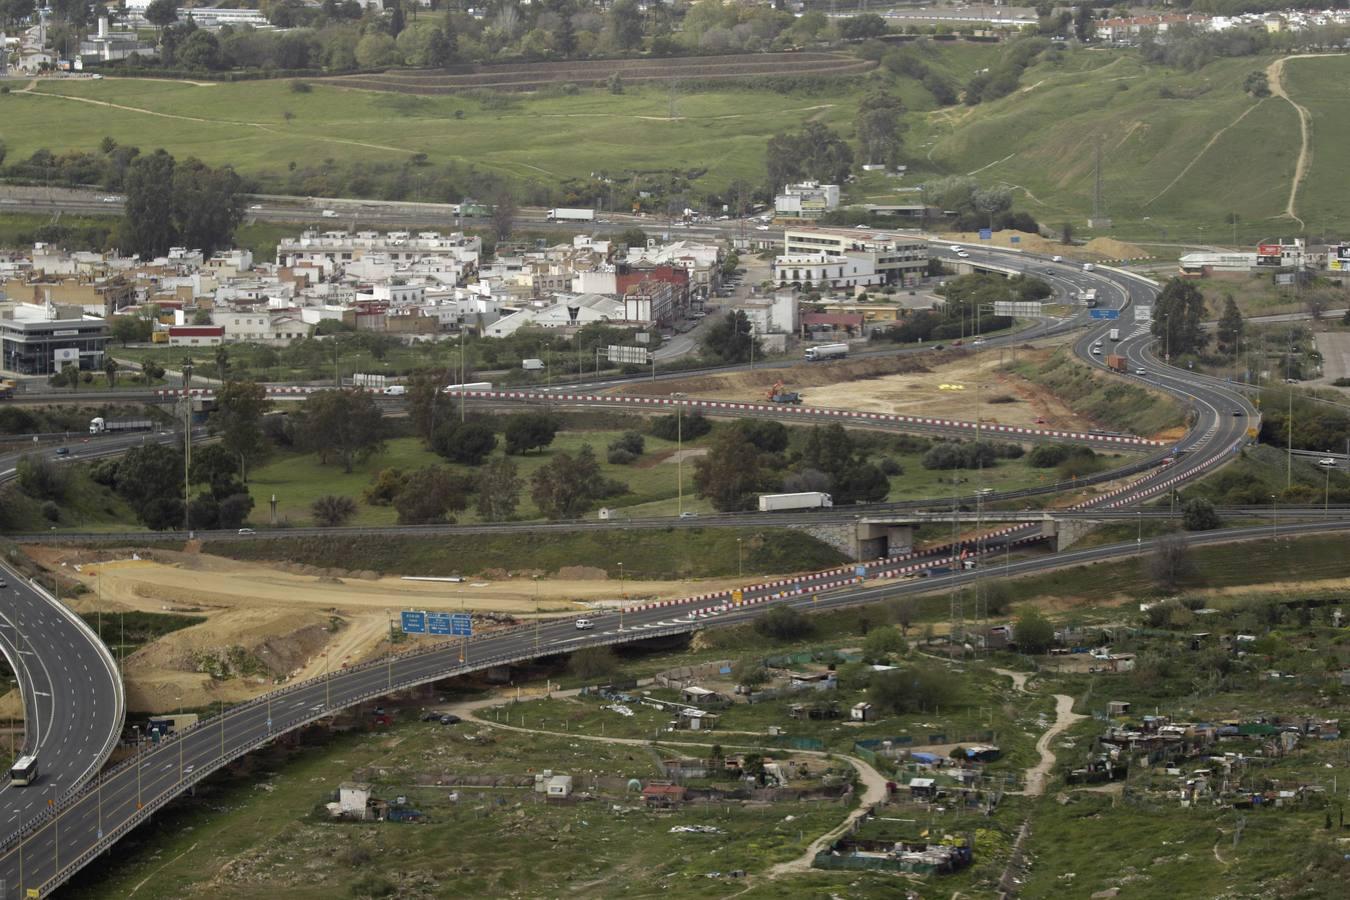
{"x": 740, "y": 558}
{"x": 1139, "y": 538}
{"x": 679, "y": 457}
{"x": 136, "y": 731}
{"x": 623, "y": 593}
{"x": 1275, "y": 518}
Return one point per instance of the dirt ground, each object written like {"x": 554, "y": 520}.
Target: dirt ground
{"x": 1095, "y": 249}
{"x": 267, "y": 625}
{"x": 903, "y": 386}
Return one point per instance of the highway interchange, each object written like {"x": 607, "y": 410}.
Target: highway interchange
{"x": 77, "y": 711}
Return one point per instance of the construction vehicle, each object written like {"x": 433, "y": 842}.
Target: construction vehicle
{"x": 776, "y": 394}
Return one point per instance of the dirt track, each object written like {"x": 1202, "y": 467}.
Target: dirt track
{"x": 531, "y": 76}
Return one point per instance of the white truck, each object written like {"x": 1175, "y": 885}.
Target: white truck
{"x": 1088, "y": 297}
{"x": 805, "y": 500}
{"x": 1114, "y": 334}
{"x": 467, "y": 388}
{"x": 532, "y": 365}
{"x": 100, "y": 425}
{"x": 826, "y": 351}
{"x": 571, "y": 215}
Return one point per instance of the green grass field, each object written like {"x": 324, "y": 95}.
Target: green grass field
{"x": 1181, "y": 151}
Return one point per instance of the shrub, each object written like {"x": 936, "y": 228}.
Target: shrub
{"x": 332, "y": 510}
{"x": 619, "y": 457}
{"x": 890, "y": 467}
{"x": 783, "y": 623}
{"x": 301, "y": 87}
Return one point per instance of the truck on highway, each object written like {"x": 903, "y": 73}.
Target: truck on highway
{"x": 100, "y": 425}
{"x": 826, "y": 351}
{"x": 532, "y": 365}
{"x": 562, "y": 214}
{"x": 1114, "y": 334}
{"x": 1088, "y": 298}
{"x": 804, "y": 500}
{"x": 163, "y": 726}
{"x": 471, "y": 386}
{"x": 1117, "y": 363}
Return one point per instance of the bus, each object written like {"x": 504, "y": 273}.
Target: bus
{"x": 24, "y": 771}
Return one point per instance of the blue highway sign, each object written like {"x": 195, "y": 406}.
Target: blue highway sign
{"x": 438, "y": 623}
{"x": 461, "y": 624}
{"x": 1104, "y": 313}
{"x": 413, "y": 621}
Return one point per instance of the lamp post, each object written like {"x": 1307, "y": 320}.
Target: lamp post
{"x": 1275, "y": 518}
{"x": 623, "y": 593}
{"x": 136, "y": 731}
{"x": 1139, "y": 537}
{"x": 740, "y": 558}
{"x": 536, "y": 594}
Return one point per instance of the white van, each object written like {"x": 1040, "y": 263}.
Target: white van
{"x": 585, "y": 624}
{"x": 1089, "y": 267}
{"x": 395, "y": 390}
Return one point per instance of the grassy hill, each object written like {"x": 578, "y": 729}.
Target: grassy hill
{"x": 1182, "y": 152}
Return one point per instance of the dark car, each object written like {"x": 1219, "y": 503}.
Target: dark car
{"x": 1237, "y": 412}
{"x": 62, "y": 451}
{"x": 450, "y": 719}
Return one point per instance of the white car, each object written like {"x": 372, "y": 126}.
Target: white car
{"x": 761, "y": 227}
{"x": 963, "y": 254}
{"x": 1328, "y": 462}
{"x": 585, "y": 624}
{"x": 861, "y": 227}
{"x": 111, "y": 199}
{"x": 329, "y": 214}
{"x": 247, "y": 531}
{"x": 978, "y": 341}
{"x": 1057, "y": 259}
{"x": 1141, "y": 372}
{"x": 256, "y": 206}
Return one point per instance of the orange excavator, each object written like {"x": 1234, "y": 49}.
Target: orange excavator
{"x": 776, "y": 394}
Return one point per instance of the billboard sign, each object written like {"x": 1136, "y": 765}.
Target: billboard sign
{"x": 1268, "y": 250}
{"x": 628, "y": 355}
{"x": 438, "y": 623}
{"x": 1017, "y": 308}
{"x": 413, "y": 621}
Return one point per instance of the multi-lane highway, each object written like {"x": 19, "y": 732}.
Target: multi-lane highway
{"x": 85, "y": 820}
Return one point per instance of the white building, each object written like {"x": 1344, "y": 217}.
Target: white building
{"x": 570, "y": 311}
{"x": 808, "y": 200}
{"x": 822, "y": 269}
{"x": 778, "y": 313}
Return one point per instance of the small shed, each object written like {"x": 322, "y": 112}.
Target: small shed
{"x": 663, "y": 795}
{"x": 923, "y": 788}
{"x": 1118, "y": 708}
{"x": 863, "y": 712}
{"x": 701, "y": 696}
{"x": 559, "y": 786}
{"x": 354, "y": 798}
{"x": 696, "y": 720}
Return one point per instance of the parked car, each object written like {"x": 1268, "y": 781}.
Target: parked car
{"x": 450, "y": 719}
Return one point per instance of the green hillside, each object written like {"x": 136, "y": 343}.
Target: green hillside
{"x": 1183, "y": 152}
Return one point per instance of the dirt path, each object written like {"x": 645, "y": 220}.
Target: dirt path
{"x": 1274, "y": 72}
{"x": 1064, "y": 719}
{"x": 874, "y": 783}
{"x": 1205, "y": 149}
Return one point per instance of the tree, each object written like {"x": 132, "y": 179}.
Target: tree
{"x": 387, "y": 485}
{"x": 426, "y": 405}
{"x": 1229, "y": 330}
{"x": 731, "y": 339}
{"x": 200, "y": 51}
{"x": 397, "y": 20}
{"x": 1257, "y": 84}
{"x": 503, "y": 214}
{"x": 567, "y": 486}
{"x": 783, "y": 623}
{"x": 71, "y": 373}
{"x": 1033, "y": 631}
{"x": 342, "y": 426}
{"x": 130, "y": 328}
{"x": 42, "y": 479}
{"x": 208, "y": 205}
{"x": 110, "y": 367}
{"x": 904, "y": 611}
{"x": 679, "y": 426}
{"x": 815, "y": 152}
{"x": 213, "y": 465}
{"x": 881, "y": 643}
{"x": 240, "y": 407}
{"x": 750, "y": 672}
{"x": 615, "y": 83}
{"x": 1177, "y": 317}
{"x": 1170, "y": 563}
{"x": 150, "y": 479}
{"x": 430, "y": 495}
{"x": 498, "y": 490}
{"x": 879, "y": 128}
{"x": 729, "y": 473}
{"x": 1066, "y": 233}
{"x": 14, "y": 12}
{"x": 625, "y": 23}
{"x": 1082, "y": 23}
{"x": 858, "y": 28}
{"x": 375, "y": 50}
{"x": 918, "y": 689}
{"x": 530, "y": 431}
{"x": 469, "y": 442}
{"x": 233, "y": 511}
{"x": 1199, "y": 515}
{"x": 593, "y": 662}
{"x": 147, "y": 228}
{"x": 161, "y": 13}
{"x": 440, "y": 50}
{"x": 332, "y": 510}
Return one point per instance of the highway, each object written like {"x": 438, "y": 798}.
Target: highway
{"x": 85, "y": 820}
